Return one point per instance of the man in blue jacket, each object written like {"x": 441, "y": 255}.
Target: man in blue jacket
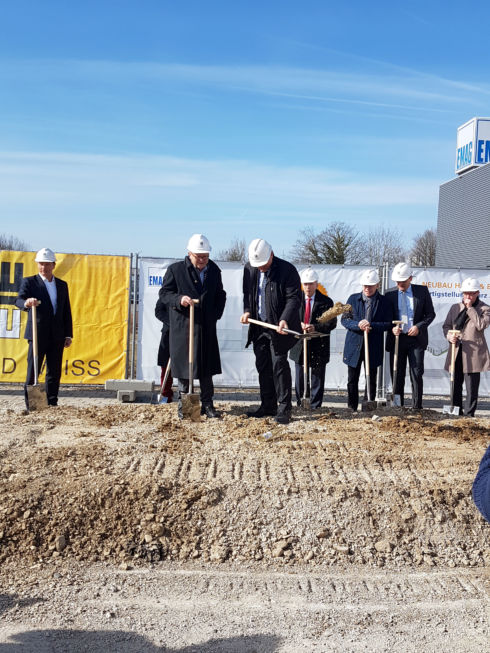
{"x": 372, "y": 313}
{"x": 481, "y": 486}
{"x": 54, "y": 322}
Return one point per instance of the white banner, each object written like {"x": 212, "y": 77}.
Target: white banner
{"x": 238, "y": 363}
{"x": 338, "y": 282}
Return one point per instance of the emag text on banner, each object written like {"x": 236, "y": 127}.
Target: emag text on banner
{"x": 99, "y": 296}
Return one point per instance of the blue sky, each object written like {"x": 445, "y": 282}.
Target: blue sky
{"x": 127, "y": 126}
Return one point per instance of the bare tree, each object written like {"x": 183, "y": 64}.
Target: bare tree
{"x": 11, "y": 242}
{"x": 423, "y": 252}
{"x": 336, "y": 244}
{"x": 381, "y": 245}
{"x": 235, "y": 252}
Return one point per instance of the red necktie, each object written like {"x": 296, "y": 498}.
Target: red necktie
{"x": 307, "y": 311}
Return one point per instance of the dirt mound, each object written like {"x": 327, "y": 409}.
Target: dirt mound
{"x": 127, "y": 483}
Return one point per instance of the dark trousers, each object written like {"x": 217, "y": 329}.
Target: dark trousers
{"x": 52, "y": 351}
{"x": 353, "y": 374}
{"x": 472, "y": 383}
{"x": 316, "y": 385}
{"x": 206, "y": 387}
{"x": 274, "y": 376}
{"x": 408, "y": 350}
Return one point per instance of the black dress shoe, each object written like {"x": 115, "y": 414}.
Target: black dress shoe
{"x": 209, "y": 411}
{"x": 261, "y": 412}
{"x": 283, "y": 418}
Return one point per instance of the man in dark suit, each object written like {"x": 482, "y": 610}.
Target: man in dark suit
{"x": 271, "y": 293}
{"x": 412, "y": 304}
{"x": 196, "y": 277}
{"x": 54, "y": 321}
{"x": 370, "y": 312}
{"x": 313, "y": 305}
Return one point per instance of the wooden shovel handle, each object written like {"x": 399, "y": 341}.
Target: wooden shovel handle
{"x": 366, "y": 351}
{"x": 34, "y": 342}
{"x": 191, "y": 344}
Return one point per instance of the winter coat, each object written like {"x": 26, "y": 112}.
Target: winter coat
{"x": 381, "y": 321}
{"x": 423, "y": 315}
{"x": 318, "y": 349}
{"x": 481, "y": 486}
{"x": 161, "y": 313}
{"x": 282, "y": 301}
{"x": 50, "y": 326}
{"x": 474, "y": 348}
{"x": 181, "y": 279}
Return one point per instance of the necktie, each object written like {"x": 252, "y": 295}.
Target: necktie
{"x": 262, "y": 306}
{"x": 307, "y": 310}
{"x": 405, "y": 311}
{"x": 369, "y": 309}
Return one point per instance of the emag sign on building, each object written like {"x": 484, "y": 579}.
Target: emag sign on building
{"x": 473, "y": 144}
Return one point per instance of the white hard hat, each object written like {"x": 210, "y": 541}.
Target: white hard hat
{"x": 198, "y": 244}
{"x": 45, "y": 255}
{"x": 369, "y": 278}
{"x": 401, "y": 272}
{"x": 470, "y": 285}
{"x": 308, "y": 276}
{"x": 259, "y": 252}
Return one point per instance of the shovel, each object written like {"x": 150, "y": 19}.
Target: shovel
{"x": 160, "y": 399}
{"x": 190, "y": 402}
{"x": 306, "y": 401}
{"x": 36, "y": 394}
{"x": 369, "y": 404}
{"x": 452, "y": 409}
{"x": 397, "y": 400}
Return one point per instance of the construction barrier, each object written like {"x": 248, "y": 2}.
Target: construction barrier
{"x": 339, "y": 282}
{"x": 99, "y": 297}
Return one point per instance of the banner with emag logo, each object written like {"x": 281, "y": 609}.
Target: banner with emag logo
{"x": 99, "y": 296}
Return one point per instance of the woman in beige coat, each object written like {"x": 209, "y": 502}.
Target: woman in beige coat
{"x": 471, "y": 317}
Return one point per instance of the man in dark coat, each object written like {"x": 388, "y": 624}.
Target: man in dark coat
{"x": 412, "y": 304}
{"x": 313, "y": 305}
{"x": 372, "y": 313}
{"x": 161, "y": 313}
{"x": 196, "y": 277}
{"x": 54, "y": 322}
{"x": 481, "y": 486}
{"x": 271, "y": 293}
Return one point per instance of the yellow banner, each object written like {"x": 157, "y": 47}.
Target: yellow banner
{"x": 99, "y": 295}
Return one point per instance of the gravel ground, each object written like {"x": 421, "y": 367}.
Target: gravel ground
{"x": 125, "y": 529}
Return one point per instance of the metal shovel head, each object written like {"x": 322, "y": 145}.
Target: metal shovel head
{"x": 368, "y": 406}
{"x": 450, "y": 410}
{"x": 397, "y": 401}
{"x": 191, "y": 407}
{"x": 36, "y": 397}
{"x": 306, "y": 403}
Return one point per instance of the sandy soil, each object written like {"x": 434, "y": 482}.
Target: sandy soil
{"x": 123, "y": 528}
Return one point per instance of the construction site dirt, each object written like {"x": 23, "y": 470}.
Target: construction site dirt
{"x": 123, "y": 528}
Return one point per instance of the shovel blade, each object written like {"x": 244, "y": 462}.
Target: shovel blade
{"x": 450, "y": 410}
{"x": 306, "y": 403}
{"x": 36, "y": 397}
{"x": 191, "y": 407}
{"x": 397, "y": 401}
{"x": 368, "y": 406}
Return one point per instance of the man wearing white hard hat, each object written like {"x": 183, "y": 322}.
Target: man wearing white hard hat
{"x": 411, "y": 304}
{"x": 196, "y": 277}
{"x": 54, "y": 321}
{"x": 271, "y": 294}
{"x": 314, "y": 303}
{"x": 370, "y": 312}
{"x": 470, "y": 317}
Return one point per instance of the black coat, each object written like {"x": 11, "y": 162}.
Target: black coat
{"x": 50, "y": 326}
{"x": 181, "y": 279}
{"x": 161, "y": 313}
{"x": 423, "y": 314}
{"x": 318, "y": 349}
{"x": 381, "y": 321}
{"x": 282, "y": 301}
